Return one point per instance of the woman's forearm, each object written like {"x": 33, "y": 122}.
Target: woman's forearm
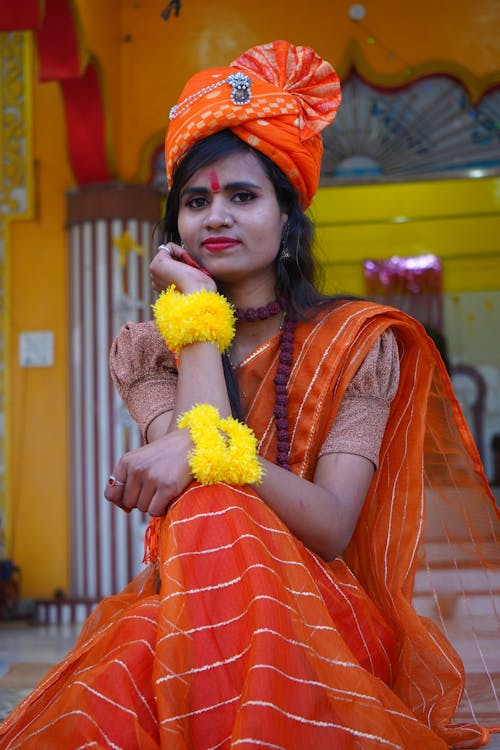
{"x": 307, "y": 510}
{"x": 200, "y": 381}
{"x": 322, "y": 515}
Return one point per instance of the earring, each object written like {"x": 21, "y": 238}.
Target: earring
{"x": 283, "y": 251}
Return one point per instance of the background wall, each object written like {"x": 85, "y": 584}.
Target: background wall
{"x": 142, "y": 61}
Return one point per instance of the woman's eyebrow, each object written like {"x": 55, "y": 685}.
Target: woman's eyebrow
{"x": 193, "y": 189}
{"x": 240, "y": 186}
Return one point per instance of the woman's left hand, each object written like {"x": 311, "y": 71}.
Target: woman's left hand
{"x": 150, "y": 478}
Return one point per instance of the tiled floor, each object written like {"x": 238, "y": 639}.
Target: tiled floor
{"x": 26, "y": 654}
{"x": 28, "y": 651}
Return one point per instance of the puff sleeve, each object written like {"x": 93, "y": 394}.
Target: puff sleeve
{"x": 361, "y": 420}
{"x": 143, "y": 371}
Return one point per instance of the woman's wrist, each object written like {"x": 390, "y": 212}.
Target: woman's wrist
{"x": 191, "y": 286}
{"x": 202, "y": 316}
{"x": 225, "y": 450}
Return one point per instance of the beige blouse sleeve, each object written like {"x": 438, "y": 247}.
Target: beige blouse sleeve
{"x": 361, "y": 420}
{"x": 144, "y": 372}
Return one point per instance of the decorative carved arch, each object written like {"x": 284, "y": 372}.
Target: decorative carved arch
{"x": 427, "y": 129}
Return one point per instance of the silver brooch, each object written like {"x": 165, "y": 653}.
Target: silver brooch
{"x": 240, "y": 88}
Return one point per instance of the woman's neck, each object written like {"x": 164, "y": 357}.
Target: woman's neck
{"x": 250, "y": 293}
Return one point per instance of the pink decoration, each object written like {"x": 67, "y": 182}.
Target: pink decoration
{"x": 412, "y": 284}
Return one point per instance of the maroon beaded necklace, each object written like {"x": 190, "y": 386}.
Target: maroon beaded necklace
{"x": 259, "y": 313}
{"x": 282, "y": 373}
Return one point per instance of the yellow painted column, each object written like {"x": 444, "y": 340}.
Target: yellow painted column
{"x": 16, "y": 203}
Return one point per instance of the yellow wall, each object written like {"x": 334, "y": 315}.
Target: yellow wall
{"x": 143, "y": 62}
{"x": 38, "y": 398}
{"x": 458, "y": 220}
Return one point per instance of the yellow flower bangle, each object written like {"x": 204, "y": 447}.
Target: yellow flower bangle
{"x": 225, "y": 450}
{"x": 187, "y": 318}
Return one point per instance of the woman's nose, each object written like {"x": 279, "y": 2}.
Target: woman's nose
{"x": 218, "y": 215}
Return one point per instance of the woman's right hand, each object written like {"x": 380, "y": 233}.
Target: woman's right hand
{"x": 172, "y": 264}
{"x": 151, "y": 477}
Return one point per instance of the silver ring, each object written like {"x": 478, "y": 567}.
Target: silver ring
{"x": 114, "y": 482}
{"x": 166, "y": 248}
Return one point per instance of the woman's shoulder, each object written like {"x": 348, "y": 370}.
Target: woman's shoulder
{"x": 138, "y": 330}
{"x": 343, "y": 326}
{"x": 359, "y": 311}
{"x": 135, "y": 338}
{"x": 138, "y": 351}
{"x": 336, "y": 308}
{"x": 378, "y": 375}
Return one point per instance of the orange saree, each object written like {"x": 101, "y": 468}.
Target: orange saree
{"x": 238, "y": 635}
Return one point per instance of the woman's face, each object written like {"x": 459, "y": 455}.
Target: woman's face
{"x": 230, "y": 220}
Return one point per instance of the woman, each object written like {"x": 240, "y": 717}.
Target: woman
{"x": 275, "y": 611}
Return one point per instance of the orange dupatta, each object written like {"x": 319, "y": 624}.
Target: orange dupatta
{"x": 430, "y": 525}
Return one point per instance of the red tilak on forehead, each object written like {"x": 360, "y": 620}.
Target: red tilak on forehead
{"x": 214, "y": 181}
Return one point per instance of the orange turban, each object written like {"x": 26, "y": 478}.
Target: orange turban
{"x": 275, "y": 97}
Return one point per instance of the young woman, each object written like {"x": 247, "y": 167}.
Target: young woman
{"x": 232, "y": 221}
{"x": 276, "y": 608}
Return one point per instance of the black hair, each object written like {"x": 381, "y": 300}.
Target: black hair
{"x": 296, "y": 269}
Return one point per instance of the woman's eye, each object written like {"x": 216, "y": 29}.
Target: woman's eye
{"x": 197, "y": 202}
{"x": 243, "y": 196}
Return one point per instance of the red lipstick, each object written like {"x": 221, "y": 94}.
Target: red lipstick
{"x": 219, "y": 244}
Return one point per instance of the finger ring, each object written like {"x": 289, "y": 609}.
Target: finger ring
{"x": 114, "y": 482}
{"x": 167, "y": 249}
